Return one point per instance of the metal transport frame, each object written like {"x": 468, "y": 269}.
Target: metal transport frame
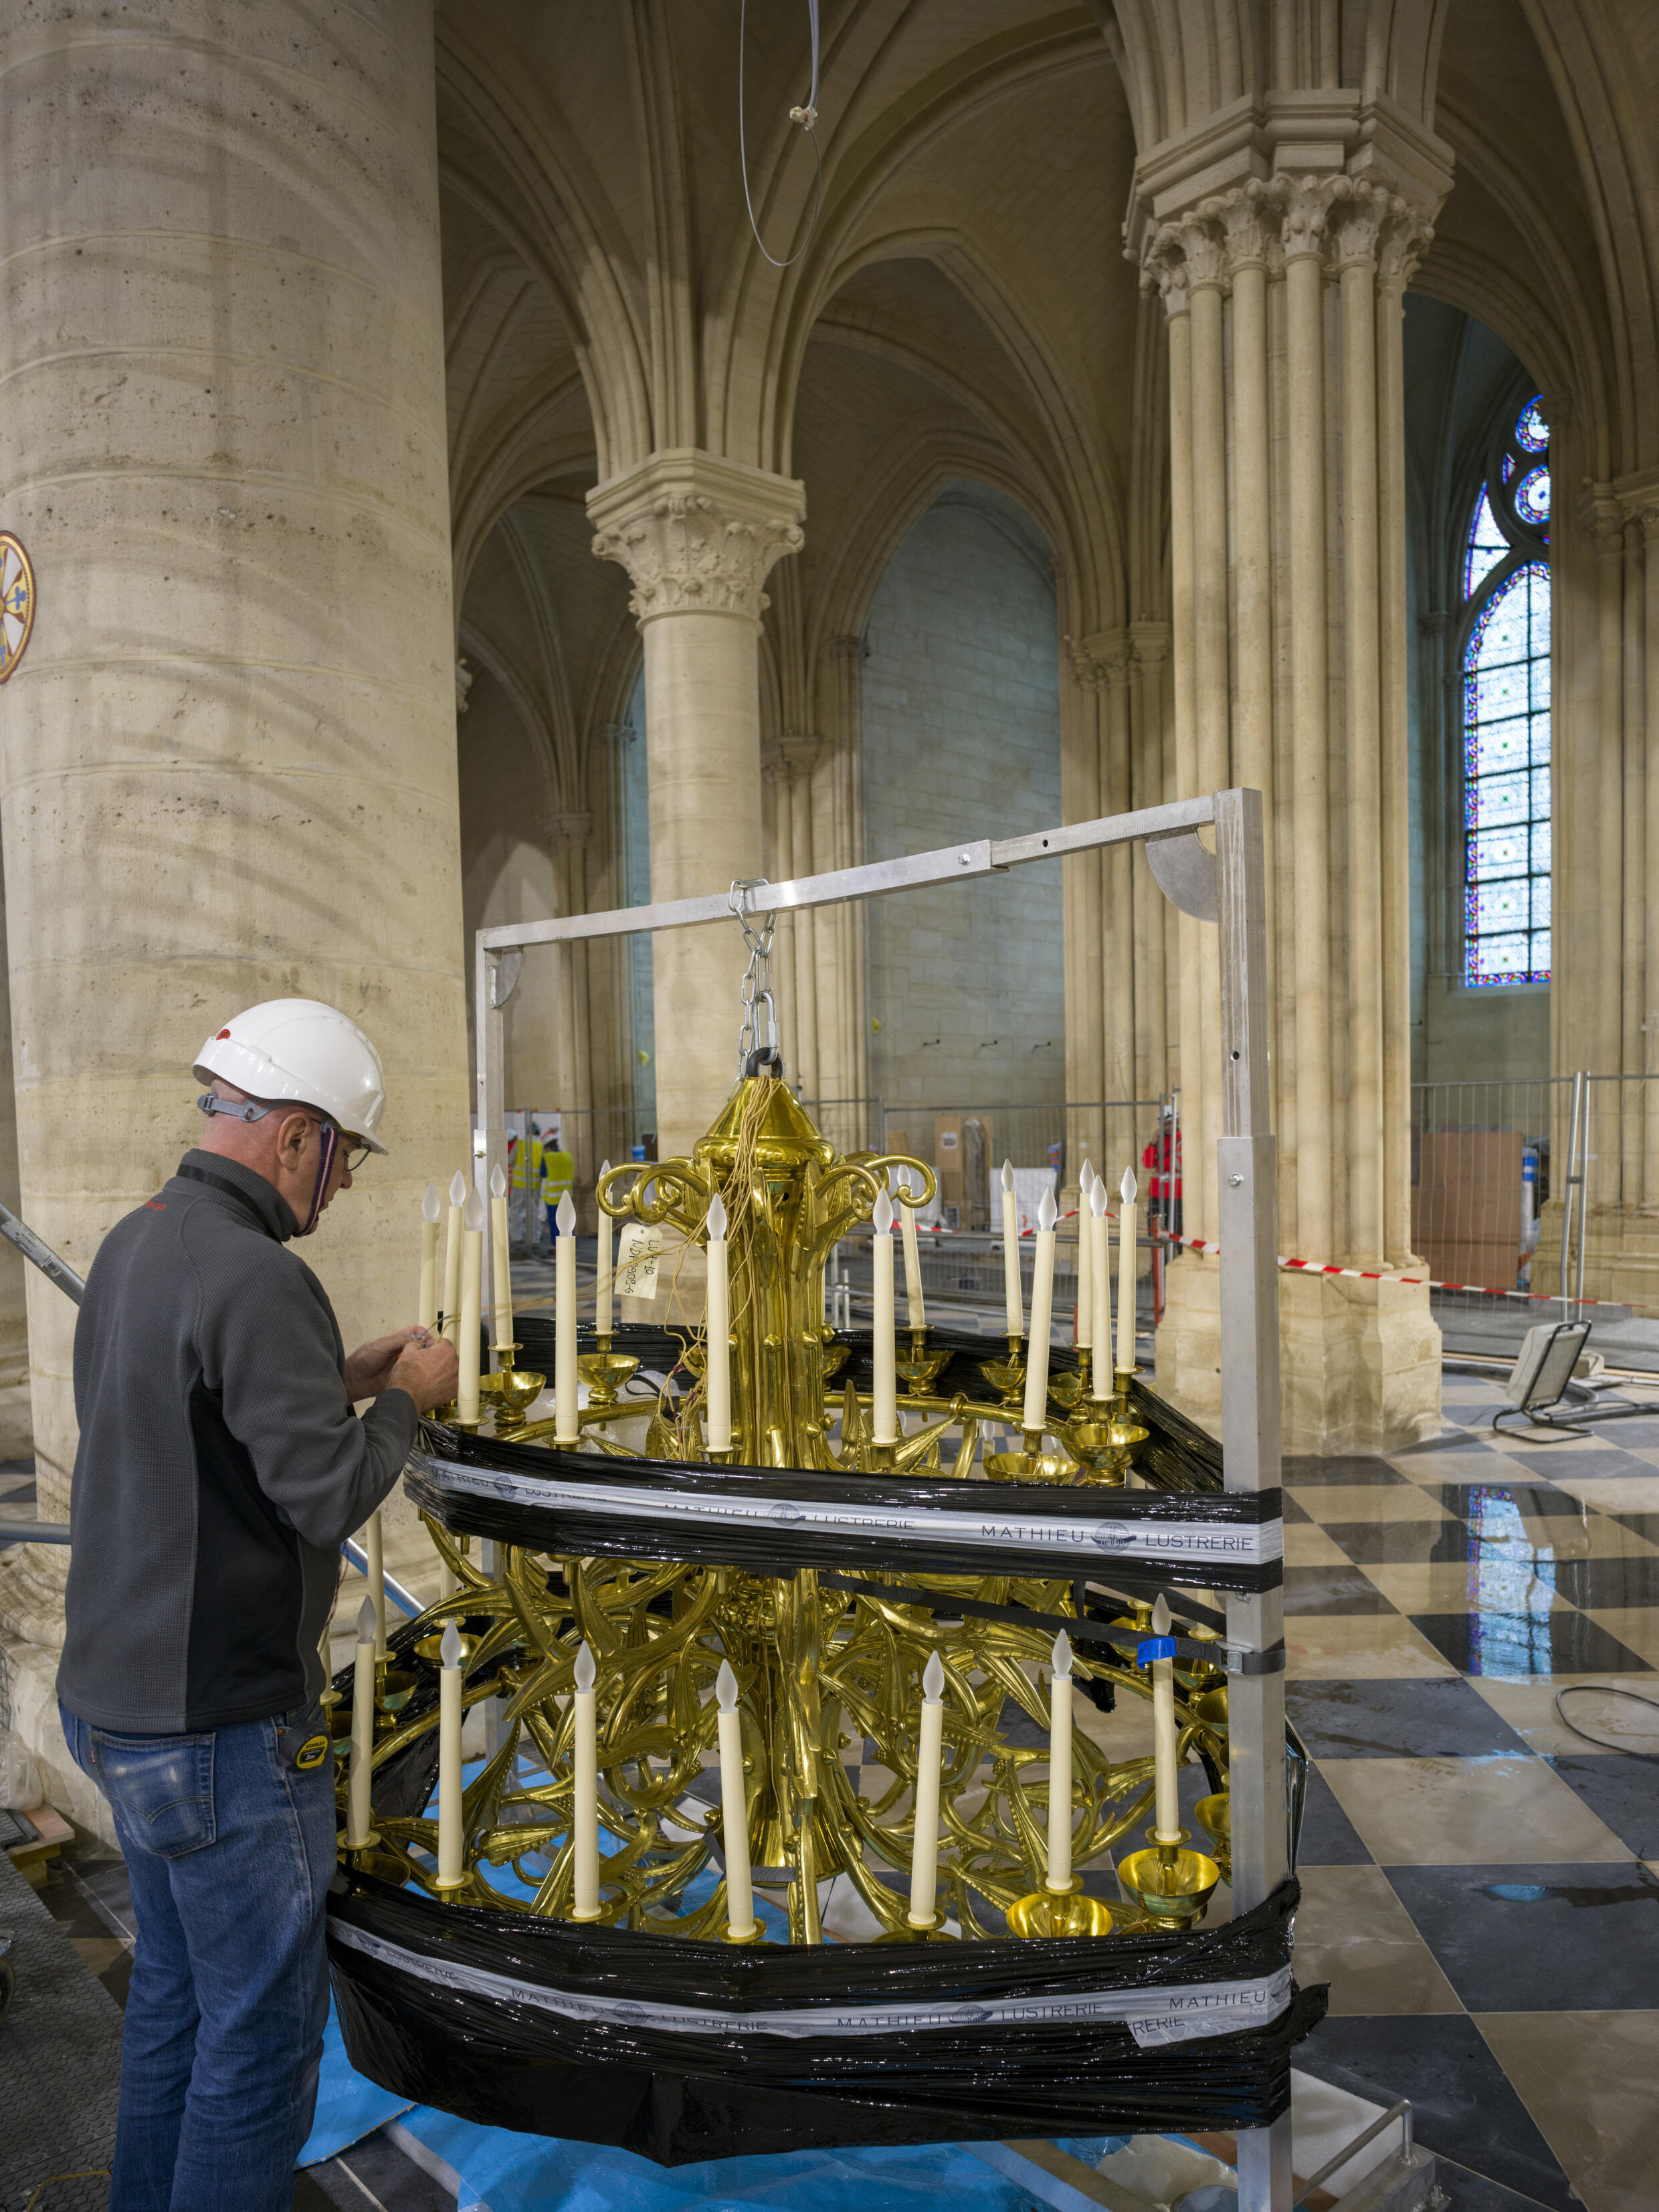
{"x": 1225, "y": 887}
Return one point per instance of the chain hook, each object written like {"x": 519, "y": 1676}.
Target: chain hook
{"x": 756, "y": 984}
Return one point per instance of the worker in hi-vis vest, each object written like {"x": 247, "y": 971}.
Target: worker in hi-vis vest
{"x": 558, "y": 1173}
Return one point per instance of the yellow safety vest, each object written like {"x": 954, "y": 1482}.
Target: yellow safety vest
{"x": 558, "y": 1173}
{"x": 516, "y": 1181}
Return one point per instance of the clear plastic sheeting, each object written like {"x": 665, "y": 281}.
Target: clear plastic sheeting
{"x": 454, "y": 2006}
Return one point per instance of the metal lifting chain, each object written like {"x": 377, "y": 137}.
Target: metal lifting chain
{"x": 756, "y": 984}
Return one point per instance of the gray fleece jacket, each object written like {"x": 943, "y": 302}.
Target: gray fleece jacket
{"x": 220, "y": 1466}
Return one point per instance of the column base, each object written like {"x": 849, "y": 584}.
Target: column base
{"x": 28, "y": 1706}
{"x": 1360, "y": 1362}
{"x": 1621, "y": 1258}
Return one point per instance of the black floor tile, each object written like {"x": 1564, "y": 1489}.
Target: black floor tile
{"x": 1645, "y": 1525}
{"x": 1293, "y": 1511}
{"x": 1363, "y": 1468}
{"x": 1581, "y": 1460}
{"x": 1622, "y": 1789}
{"x": 1465, "y": 2106}
{"x": 1514, "y": 1645}
{"x": 1332, "y": 1589}
{"x": 1539, "y": 1501}
{"x": 117, "y": 1978}
{"x": 1540, "y": 1938}
{"x": 1609, "y": 1582}
{"x": 1431, "y": 1543}
{"x": 1456, "y": 1441}
{"x": 1328, "y": 1835}
{"x": 1396, "y": 1719}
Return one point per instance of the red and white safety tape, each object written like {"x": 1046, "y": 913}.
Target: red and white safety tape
{"x": 1358, "y": 1274}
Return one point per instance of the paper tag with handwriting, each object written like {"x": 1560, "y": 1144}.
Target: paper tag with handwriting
{"x": 638, "y": 1252}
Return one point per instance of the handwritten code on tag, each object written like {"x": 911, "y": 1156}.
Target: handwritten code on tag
{"x": 638, "y": 1253}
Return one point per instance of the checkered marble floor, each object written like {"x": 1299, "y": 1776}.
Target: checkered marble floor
{"x": 1481, "y": 1884}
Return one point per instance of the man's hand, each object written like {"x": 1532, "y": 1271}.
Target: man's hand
{"x": 429, "y": 1372}
{"x": 368, "y": 1369}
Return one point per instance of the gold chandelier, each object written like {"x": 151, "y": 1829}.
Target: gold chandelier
{"x": 623, "y": 1681}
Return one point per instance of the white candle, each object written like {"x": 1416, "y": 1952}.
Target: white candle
{"x": 1059, "y": 1767}
{"x": 449, "y": 1758}
{"x": 1085, "y": 1253}
{"x": 426, "y": 1306}
{"x": 358, "y": 1814}
{"x": 452, "y": 1305}
{"x": 915, "y": 1309}
{"x": 1125, "y": 1275}
{"x": 1043, "y": 1308}
{"x": 602, "y": 1298}
{"x": 924, "y": 1851}
{"x": 567, "y": 1427}
{"x": 885, "y": 1429}
{"x": 500, "y": 1264}
{"x": 1011, "y": 1291}
{"x": 718, "y": 1354}
{"x": 467, "y": 1343}
{"x": 1101, "y": 1333}
{"x": 585, "y": 1807}
{"x": 375, "y": 1553}
{"x": 1164, "y": 1734}
{"x": 734, "y": 1807}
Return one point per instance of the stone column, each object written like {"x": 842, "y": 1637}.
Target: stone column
{"x": 1288, "y": 567}
{"x": 569, "y": 837}
{"x": 698, "y": 536}
{"x": 228, "y": 761}
{"x": 843, "y": 1060}
{"x": 788, "y": 764}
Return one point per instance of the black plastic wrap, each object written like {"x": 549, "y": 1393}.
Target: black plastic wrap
{"x": 681, "y": 2094}
{"x": 1176, "y": 1455}
{"x": 771, "y": 1521}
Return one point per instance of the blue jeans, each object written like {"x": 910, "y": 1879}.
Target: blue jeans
{"x": 229, "y": 1853}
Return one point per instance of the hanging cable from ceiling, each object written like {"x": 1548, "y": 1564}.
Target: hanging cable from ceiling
{"x": 806, "y": 115}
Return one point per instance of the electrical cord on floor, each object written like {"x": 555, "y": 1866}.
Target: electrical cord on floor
{"x": 1603, "y": 1690}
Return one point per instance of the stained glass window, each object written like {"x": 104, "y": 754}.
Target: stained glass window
{"x": 1506, "y": 717}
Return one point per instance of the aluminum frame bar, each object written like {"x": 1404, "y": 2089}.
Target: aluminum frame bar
{"x": 1247, "y": 1222}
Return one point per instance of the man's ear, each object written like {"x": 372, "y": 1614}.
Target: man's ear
{"x": 292, "y": 1138}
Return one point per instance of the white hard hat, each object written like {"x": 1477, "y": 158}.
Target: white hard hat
{"x": 299, "y": 1048}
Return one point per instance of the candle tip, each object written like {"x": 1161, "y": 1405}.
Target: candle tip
{"x": 473, "y": 1213}
{"x": 586, "y": 1670}
{"x": 1097, "y": 1197}
{"x": 726, "y": 1687}
{"x": 367, "y": 1621}
{"x": 716, "y": 1218}
{"x": 1048, "y": 1211}
{"x": 498, "y": 1181}
{"x": 1128, "y": 1186}
{"x": 450, "y": 1649}
{"x": 932, "y": 1680}
{"x": 1161, "y": 1617}
{"x": 431, "y": 1206}
{"x": 1007, "y": 1174}
{"x": 1086, "y": 1177}
{"x": 604, "y": 1167}
{"x": 1062, "y": 1653}
{"x": 566, "y": 1217}
{"x": 457, "y": 1189}
{"x": 882, "y": 1218}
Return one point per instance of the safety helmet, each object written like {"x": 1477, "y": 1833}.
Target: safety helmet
{"x": 299, "y": 1048}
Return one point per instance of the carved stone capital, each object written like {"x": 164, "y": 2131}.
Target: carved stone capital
{"x": 464, "y": 679}
{"x": 1406, "y": 235}
{"x": 1355, "y": 220}
{"x": 1204, "y": 246}
{"x": 696, "y": 534}
{"x": 566, "y": 833}
{"x": 1305, "y": 215}
{"x": 616, "y": 734}
{"x": 1602, "y": 517}
{"x": 1250, "y": 218}
{"x": 1150, "y": 643}
{"x": 1163, "y": 269}
{"x": 1101, "y": 660}
{"x": 784, "y": 759}
{"x": 848, "y": 646}
{"x": 1638, "y": 498}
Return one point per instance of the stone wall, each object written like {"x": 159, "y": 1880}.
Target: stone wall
{"x": 961, "y": 719}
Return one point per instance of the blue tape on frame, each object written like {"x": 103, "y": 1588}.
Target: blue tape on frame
{"x": 1154, "y": 1647}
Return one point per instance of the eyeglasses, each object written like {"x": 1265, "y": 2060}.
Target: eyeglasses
{"x": 354, "y": 1151}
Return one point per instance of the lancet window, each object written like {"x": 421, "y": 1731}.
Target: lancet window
{"x": 1506, "y": 714}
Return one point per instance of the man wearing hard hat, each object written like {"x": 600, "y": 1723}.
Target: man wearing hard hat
{"x": 220, "y": 1466}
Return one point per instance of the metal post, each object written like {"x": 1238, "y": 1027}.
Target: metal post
{"x": 495, "y": 975}
{"x": 1569, "y": 1181}
{"x": 1248, "y": 1183}
{"x": 1584, "y": 1191}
